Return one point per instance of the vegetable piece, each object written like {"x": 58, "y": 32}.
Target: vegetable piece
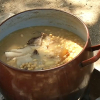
{"x": 64, "y": 53}
{"x": 18, "y": 52}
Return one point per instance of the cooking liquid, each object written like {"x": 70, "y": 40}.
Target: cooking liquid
{"x": 58, "y": 47}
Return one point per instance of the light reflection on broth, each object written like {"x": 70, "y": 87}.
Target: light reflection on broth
{"x": 40, "y": 47}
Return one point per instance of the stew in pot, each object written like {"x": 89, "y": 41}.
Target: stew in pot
{"x": 40, "y": 47}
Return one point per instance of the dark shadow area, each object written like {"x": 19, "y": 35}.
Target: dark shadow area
{"x": 3, "y": 1}
{"x": 61, "y": 4}
{"x": 94, "y": 31}
{"x": 69, "y": 5}
{"x": 95, "y": 85}
{"x": 40, "y": 3}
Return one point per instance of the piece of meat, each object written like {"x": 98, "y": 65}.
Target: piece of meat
{"x": 35, "y": 52}
{"x": 36, "y": 41}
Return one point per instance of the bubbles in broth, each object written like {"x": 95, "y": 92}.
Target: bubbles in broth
{"x": 40, "y": 47}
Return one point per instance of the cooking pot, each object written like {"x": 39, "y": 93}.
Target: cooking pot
{"x": 66, "y": 82}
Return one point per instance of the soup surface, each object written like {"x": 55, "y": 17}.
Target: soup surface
{"x": 40, "y": 47}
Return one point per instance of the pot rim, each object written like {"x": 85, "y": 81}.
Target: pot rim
{"x": 60, "y": 66}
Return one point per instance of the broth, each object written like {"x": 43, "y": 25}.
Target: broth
{"x": 40, "y": 47}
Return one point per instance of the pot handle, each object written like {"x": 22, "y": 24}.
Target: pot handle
{"x": 92, "y": 59}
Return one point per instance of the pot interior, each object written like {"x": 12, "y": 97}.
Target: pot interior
{"x": 43, "y": 17}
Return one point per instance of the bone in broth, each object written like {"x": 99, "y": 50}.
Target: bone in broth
{"x": 40, "y": 48}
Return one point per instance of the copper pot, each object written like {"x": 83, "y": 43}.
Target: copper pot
{"x": 66, "y": 82}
